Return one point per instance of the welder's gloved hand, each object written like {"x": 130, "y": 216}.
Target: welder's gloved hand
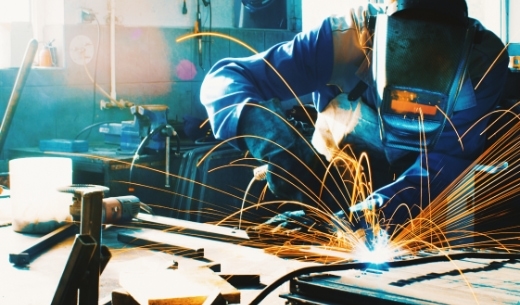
{"x": 290, "y": 220}
{"x": 372, "y": 232}
{"x": 372, "y": 202}
{"x": 300, "y": 221}
{"x": 346, "y": 122}
{"x": 292, "y": 163}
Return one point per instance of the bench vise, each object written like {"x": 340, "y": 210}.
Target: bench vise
{"x": 149, "y": 130}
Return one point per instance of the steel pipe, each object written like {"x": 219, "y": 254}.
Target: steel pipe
{"x": 19, "y": 84}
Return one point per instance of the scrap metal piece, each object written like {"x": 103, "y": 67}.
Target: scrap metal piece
{"x": 82, "y": 252}
{"x": 133, "y": 238}
{"x": 186, "y": 227}
{"x": 42, "y": 244}
{"x": 80, "y": 279}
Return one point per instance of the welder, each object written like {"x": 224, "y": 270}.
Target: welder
{"x": 409, "y": 82}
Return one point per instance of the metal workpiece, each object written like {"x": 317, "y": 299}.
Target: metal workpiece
{"x": 43, "y": 243}
{"x": 82, "y": 252}
{"x": 49, "y": 240}
{"x": 91, "y": 198}
{"x": 88, "y": 258}
{"x": 430, "y": 279}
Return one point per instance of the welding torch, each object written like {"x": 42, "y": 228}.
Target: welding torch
{"x": 374, "y": 237}
{"x": 371, "y": 202}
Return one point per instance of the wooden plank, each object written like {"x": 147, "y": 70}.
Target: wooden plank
{"x": 191, "y": 286}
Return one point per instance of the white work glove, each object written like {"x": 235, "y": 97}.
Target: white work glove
{"x": 361, "y": 18}
{"x": 332, "y": 125}
{"x": 346, "y": 122}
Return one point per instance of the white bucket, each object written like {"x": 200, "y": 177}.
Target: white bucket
{"x": 38, "y": 207}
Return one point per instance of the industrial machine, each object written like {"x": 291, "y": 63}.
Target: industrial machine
{"x": 119, "y": 209}
{"x": 480, "y": 277}
{"x": 148, "y": 131}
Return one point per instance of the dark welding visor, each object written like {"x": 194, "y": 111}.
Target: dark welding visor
{"x": 419, "y": 66}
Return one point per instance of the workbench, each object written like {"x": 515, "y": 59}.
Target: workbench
{"x": 491, "y": 278}
{"x": 37, "y": 283}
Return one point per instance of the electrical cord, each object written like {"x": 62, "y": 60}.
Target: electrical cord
{"x": 145, "y": 141}
{"x": 395, "y": 264}
{"x": 90, "y": 127}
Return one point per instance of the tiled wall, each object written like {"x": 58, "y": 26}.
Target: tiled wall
{"x": 151, "y": 68}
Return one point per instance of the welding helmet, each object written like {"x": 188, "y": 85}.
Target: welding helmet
{"x": 420, "y": 54}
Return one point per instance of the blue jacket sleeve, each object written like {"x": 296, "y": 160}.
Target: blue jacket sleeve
{"x": 302, "y": 65}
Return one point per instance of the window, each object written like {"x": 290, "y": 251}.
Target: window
{"x": 490, "y": 14}
{"x": 313, "y": 12}
{"x": 15, "y": 31}
{"x": 14, "y": 11}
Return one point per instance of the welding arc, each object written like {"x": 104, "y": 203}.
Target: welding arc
{"x": 364, "y": 265}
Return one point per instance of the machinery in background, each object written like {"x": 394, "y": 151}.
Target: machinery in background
{"x": 119, "y": 209}
{"x": 148, "y": 131}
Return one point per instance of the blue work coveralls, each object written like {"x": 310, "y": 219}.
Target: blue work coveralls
{"x": 329, "y": 60}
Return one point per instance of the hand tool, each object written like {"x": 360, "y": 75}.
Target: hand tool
{"x": 114, "y": 210}
{"x": 118, "y": 209}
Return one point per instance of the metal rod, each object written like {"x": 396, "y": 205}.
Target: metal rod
{"x": 167, "y": 161}
{"x": 77, "y": 265}
{"x": 133, "y": 238}
{"x": 92, "y": 205}
{"x": 19, "y": 84}
{"x": 42, "y": 244}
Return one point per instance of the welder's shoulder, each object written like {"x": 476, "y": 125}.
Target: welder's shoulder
{"x": 491, "y": 46}
{"x": 488, "y": 50}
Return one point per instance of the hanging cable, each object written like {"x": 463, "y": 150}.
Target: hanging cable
{"x": 145, "y": 141}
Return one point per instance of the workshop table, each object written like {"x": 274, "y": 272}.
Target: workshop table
{"x": 37, "y": 283}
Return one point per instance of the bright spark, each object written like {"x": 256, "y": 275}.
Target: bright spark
{"x": 376, "y": 249}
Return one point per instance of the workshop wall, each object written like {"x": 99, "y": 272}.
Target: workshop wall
{"x": 151, "y": 67}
